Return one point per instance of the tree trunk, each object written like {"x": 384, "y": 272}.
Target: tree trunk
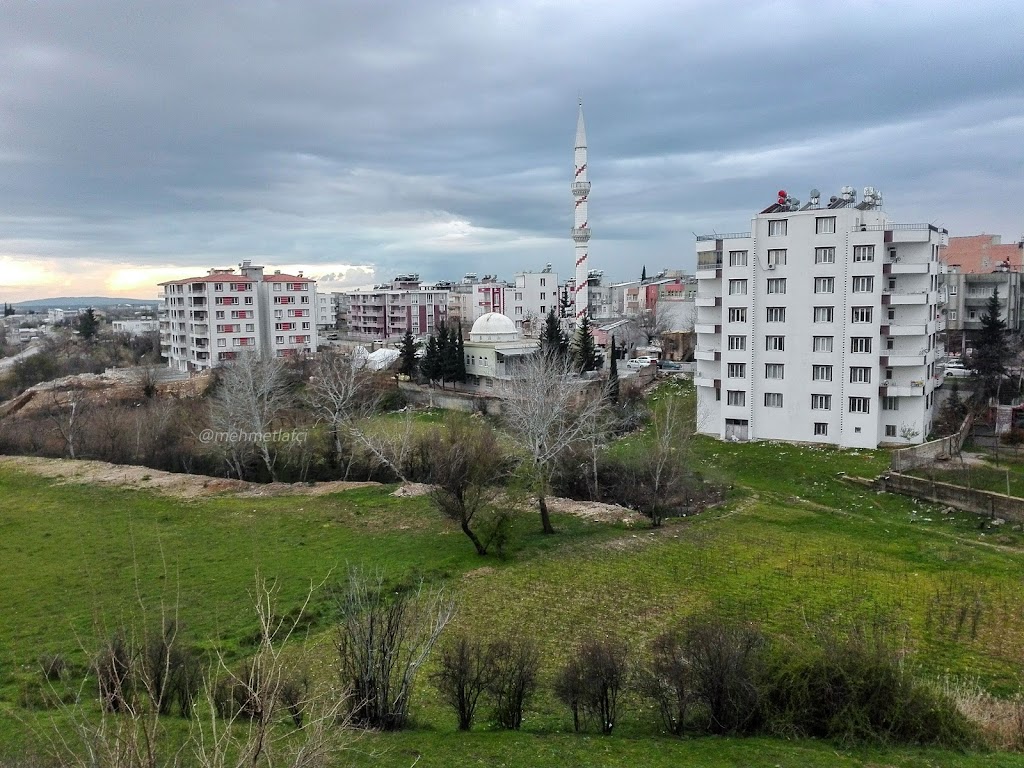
{"x": 545, "y": 518}
{"x": 480, "y": 548}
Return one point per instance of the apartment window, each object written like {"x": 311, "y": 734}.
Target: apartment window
{"x": 861, "y": 315}
{"x": 952, "y": 314}
{"x": 777, "y": 227}
{"x": 891, "y": 314}
{"x": 890, "y": 343}
{"x": 824, "y": 255}
{"x": 519, "y": 310}
{"x": 821, "y": 402}
{"x": 863, "y": 253}
{"x": 822, "y": 344}
{"x": 277, "y": 286}
{"x": 737, "y": 287}
{"x": 737, "y": 314}
{"x": 823, "y": 314}
{"x": 519, "y": 295}
{"x": 219, "y": 314}
{"x": 737, "y": 342}
{"x": 890, "y": 403}
{"x": 952, "y": 289}
{"x": 888, "y": 373}
{"x": 248, "y": 300}
{"x": 736, "y": 370}
{"x": 860, "y": 375}
{"x": 863, "y": 284}
{"x": 775, "y": 343}
{"x": 821, "y": 373}
{"x": 735, "y": 397}
{"x": 543, "y": 295}
{"x": 890, "y": 430}
{"x": 218, "y": 286}
{"x": 222, "y": 342}
{"x": 737, "y": 258}
{"x": 860, "y": 405}
{"x": 776, "y": 314}
{"x": 776, "y": 257}
{"x": 279, "y": 339}
{"x": 972, "y": 315}
{"x": 543, "y": 282}
{"x": 774, "y": 370}
{"x": 825, "y": 225}
{"x": 824, "y": 285}
{"x": 776, "y": 285}
{"x": 860, "y": 344}
{"x": 820, "y": 429}
{"x": 772, "y": 399}
{"x": 892, "y": 283}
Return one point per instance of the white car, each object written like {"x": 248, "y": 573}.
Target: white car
{"x": 956, "y": 369}
{"x": 636, "y": 363}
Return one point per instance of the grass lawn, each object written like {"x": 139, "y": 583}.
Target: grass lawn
{"x": 794, "y": 545}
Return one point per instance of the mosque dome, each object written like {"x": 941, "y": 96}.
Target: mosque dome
{"x": 494, "y": 326}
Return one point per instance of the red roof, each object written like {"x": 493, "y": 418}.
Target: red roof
{"x": 286, "y": 279}
{"x": 981, "y": 253}
{"x": 222, "y": 277}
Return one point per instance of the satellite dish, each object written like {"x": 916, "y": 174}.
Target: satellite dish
{"x": 833, "y": 199}
{"x": 815, "y": 194}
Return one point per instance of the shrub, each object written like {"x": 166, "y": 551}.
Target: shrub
{"x": 293, "y": 694}
{"x": 464, "y": 672}
{"x": 668, "y": 680}
{"x": 592, "y": 680}
{"x": 113, "y": 666}
{"x": 53, "y": 666}
{"x": 514, "y": 679}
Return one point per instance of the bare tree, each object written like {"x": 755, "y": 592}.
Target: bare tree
{"x": 516, "y": 664}
{"x": 250, "y": 397}
{"x": 593, "y": 679}
{"x": 660, "y": 473}
{"x": 549, "y": 409}
{"x": 466, "y": 460}
{"x": 383, "y": 641}
{"x": 654, "y": 321}
{"x": 69, "y": 411}
{"x": 464, "y": 673}
{"x": 341, "y": 392}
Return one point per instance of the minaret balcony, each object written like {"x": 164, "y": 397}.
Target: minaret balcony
{"x": 581, "y": 234}
{"x": 581, "y": 188}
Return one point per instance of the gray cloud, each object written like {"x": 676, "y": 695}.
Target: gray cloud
{"x": 437, "y": 136}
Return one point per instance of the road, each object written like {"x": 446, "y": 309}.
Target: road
{"x": 9, "y": 362}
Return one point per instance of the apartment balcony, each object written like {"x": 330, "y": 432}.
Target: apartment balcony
{"x": 708, "y": 301}
{"x": 905, "y": 268}
{"x": 906, "y": 233}
{"x": 703, "y": 380}
{"x": 896, "y": 298}
{"x": 707, "y": 328}
{"x": 896, "y": 329}
{"x": 940, "y": 325}
{"x": 708, "y": 354}
{"x": 199, "y": 329}
{"x": 903, "y": 389}
{"x": 727, "y": 236}
{"x": 903, "y": 359}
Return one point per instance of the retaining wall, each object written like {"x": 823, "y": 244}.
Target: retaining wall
{"x": 980, "y": 502}
{"x": 450, "y": 400}
{"x": 918, "y": 455}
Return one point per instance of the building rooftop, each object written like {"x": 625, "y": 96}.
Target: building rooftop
{"x": 981, "y": 254}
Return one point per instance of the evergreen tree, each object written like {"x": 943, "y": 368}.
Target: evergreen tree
{"x": 460, "y": 352}
{"x": 643, "y": 274}
{"x": 553, "y": 340}
{"x": 407, "y": 355}
{"x": 430, "y": 366}
{"x": 584, "y": 348}
{"x": 448, "y": 347}
{"x": 8, "y": 310}
{"x": 88, "y": 325}
{"x": 563, "y": 303}
{"x": 613, "y": 375}
{"x": 991, "y": 351}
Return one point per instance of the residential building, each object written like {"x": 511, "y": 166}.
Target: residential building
{"x": 208, "y": 320}
{"x": 474, "y": 297}
{"x": 385, "y": 312}
{"x": 976, "y": 266}
{"x": 327, "y": 308}
{"x": 531, "y": 297}
{"x": 822, "y": 324}
{"x": 135, "y": 327}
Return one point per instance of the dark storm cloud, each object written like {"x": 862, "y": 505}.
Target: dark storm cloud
{"x": 437, "y": 136}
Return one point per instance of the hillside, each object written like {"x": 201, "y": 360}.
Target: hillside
{"x": 794, "y": 547}
{"x": 79, "y": 302}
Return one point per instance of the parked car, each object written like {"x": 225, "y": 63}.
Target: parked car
{"x": 669, "y": 365}
{"x": 636, "y": 363}
{"x": 956, "y": 369}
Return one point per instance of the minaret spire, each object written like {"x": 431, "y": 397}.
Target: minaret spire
{"x": 581, "y": 225}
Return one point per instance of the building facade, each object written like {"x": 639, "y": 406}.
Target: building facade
{"x": 386, "y": 312}
{"x": 822, "y": 324}
{"x": 474, "y": 297}
{"x": 209, "y": 320}
{"x": 529, "y": 299}
{"x": 976, "y": 266}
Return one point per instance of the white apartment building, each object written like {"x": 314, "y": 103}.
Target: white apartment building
{"x": 474, "y": 297}
{"x": 822, "y": 324}
{"x": 208, "y": 320}
{"x": 529, "y": 299}
{"x": 326, "y": 311}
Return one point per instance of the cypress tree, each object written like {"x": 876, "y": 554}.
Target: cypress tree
{"x": 553, "y": 340}
{"x": 430, "y": 365}
{"x": 88, "y": 325}
{"x": 408, "y": 355}
{"x": 585, "y": 351}
{"x": 991, "y": 350}
{"x": 613, "y": 375}
{"x": 460, "y": 352}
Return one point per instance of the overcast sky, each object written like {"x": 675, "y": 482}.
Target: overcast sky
{"x": 142, "y": 141}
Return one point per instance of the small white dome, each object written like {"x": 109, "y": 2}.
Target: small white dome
{"x": 494, "y": 326}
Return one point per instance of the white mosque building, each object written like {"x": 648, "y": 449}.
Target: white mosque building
{"x": 494, "y": 346}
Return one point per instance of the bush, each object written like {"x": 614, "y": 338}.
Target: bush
{"x": 514, "y": 679}
{"x": 464, "y": 672}
{"x": 53, "y": 666}
{"x": 592, "y": 680}
{"x": 113, "y": 667}
{"x": 668, "y": 680}
{"x": 853, "y": 687}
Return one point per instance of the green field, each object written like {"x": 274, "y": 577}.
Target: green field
{"x": 794, "y": 546}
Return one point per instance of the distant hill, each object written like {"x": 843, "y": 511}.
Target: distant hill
{"x": 78, "y": 302}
